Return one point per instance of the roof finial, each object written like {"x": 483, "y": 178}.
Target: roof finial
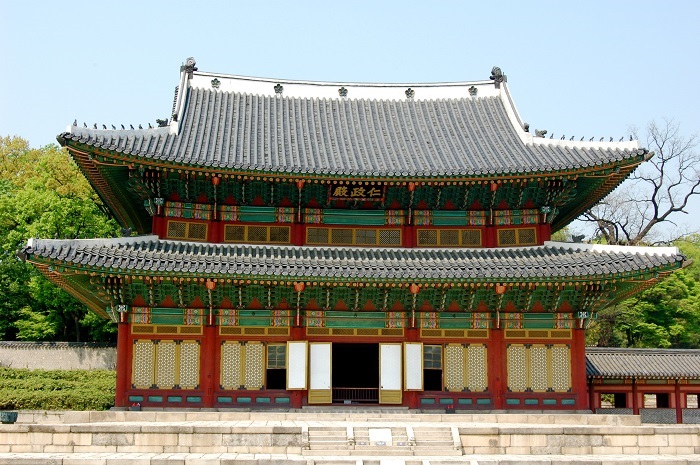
{"x": 498, "y": 77}
{"x": 190, "y": 66}
{"x": 541, "y": 133}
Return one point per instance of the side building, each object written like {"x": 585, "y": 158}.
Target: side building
{"x": 339, "y": 243}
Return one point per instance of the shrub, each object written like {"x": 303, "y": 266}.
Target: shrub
{"x": 56, "y": 389}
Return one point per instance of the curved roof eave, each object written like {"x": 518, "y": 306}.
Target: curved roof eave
{"x": 303, "y": 128}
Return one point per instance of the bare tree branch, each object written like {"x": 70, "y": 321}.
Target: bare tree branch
{"x": 655, "y": 194}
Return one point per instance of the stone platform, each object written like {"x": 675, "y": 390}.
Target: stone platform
{"x": 347, "y": 437}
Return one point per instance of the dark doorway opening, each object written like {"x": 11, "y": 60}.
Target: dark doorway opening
{"x": 355, "y": 376}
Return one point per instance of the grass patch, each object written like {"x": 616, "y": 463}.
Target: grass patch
{"x": 22, "y": 389}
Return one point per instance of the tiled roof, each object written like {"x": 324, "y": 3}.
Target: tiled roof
{"x": 605, "y": 362}
{"x": 456, "y": 136}
{"x": 149, "y": 254}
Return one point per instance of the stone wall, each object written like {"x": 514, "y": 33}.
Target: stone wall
{"x": 58, "y": 355}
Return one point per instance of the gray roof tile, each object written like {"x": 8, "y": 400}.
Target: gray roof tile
{"x": 438, "y": 137}
{"x": 607, "y": 362}
{"x": 150, "y": 253}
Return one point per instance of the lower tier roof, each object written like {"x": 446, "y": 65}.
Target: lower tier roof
{"x": 552, "y": 261}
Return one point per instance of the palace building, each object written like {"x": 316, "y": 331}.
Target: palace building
{"x": 296, "y": 243}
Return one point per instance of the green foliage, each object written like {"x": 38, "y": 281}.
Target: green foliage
{"x": 99, "y": 329}
{"x": 666, "y": 315}
{"x": 56, "y": 389}
{"x": 34, "y": 326}
{"x": 43, "y": 194}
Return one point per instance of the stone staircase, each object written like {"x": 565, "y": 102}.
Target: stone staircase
{"x": 341, "y": 438}
{"x": 380, "y": 440}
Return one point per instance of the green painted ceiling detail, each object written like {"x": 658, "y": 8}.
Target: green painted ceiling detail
{"x": 131, "y": 184}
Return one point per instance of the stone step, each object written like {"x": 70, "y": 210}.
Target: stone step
{"x": 272, "y": 459}
{"x": 329, "y": 446}
{"x": 158, "y": 416}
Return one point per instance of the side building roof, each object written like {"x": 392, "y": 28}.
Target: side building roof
{"x": 610, "y": 362}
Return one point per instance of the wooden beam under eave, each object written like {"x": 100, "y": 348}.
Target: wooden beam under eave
{"x": 56, "y": 278}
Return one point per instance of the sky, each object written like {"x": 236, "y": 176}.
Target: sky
{"x": 582, "y": 69}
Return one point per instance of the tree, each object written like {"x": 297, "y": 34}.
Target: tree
{"x": 655, "y": 194}
{"x": 666, "y": 315}
{"x": 43, "y": 194}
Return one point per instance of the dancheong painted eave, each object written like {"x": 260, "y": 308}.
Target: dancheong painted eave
{"x": 555, "y": 262}
{"x": 234, "y": 124}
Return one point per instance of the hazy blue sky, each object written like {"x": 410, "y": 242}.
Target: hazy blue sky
{"x": 581, "y": 68}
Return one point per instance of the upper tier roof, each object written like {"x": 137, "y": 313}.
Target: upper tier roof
{"x": 563, "y": 261}
{"x": 242, "y": 124}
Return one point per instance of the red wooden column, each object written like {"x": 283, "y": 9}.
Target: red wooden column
{"x": 123, "y": 365}
{"x": 678, "y": 403}
{"x": 497, "y": 367}
{"x": 158, "y": 226}
{"x": 408, "y": 237}
{"x": 489, "y": 238}
{"x": 298, "y": 234}
{"x": 208, "y": 357}
{"x": 578, "y": 369}
{"x": 635, "y": 398}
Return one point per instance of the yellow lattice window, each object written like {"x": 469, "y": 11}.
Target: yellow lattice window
{"x": 254, "y": 365}
{"x": 517, "y": 236}
{"x": 527, "y": 236}
{"x": 257, "y": 234}
{"x": 389, "y": 237}
{"x": 466, "y": 367}
{"x": 242, "y": 365}
{"x": 197, "y": 231}
{"x": 561, "y": 368}
{"x": 427, "y": 237}
{"x": 231, "y": 364}
{"x": 143, "y": 364}
{"x": 187, "y": 230}
{"x": 517, "y": 368}
{"x": 317, "y": 235}
{"x": 279, "y": 234}
{"x": 177, "y": 229}
{"x": 366, "y": 237}
{"x": 165, "y": 364}
{"x": 449, "y": 238}
{"x": 476, "y": 368}
{"x": 539, "y": 368}
{"x": 341, "y": 236}
{"x": 471, "y": 237}
{"x": 189, "y": 365}
{"x": 507, "y": 237}
{"x": 454, "y": 367}
{"x": 354, "y": 236}
{"x": 234, "y": 233}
